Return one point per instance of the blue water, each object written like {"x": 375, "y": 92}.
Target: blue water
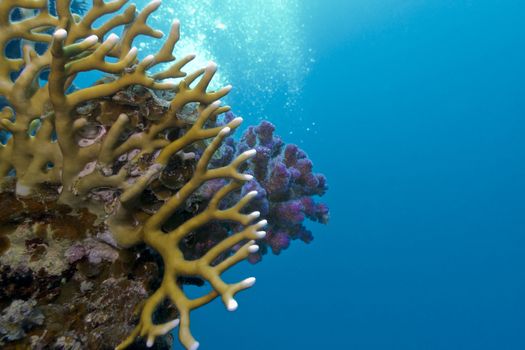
{"x": 415, "y": 111}
{"x": 419, "y": 112}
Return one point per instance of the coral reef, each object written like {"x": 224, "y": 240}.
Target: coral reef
{"x": 115, "y": 196}
{"x": 17, "y": 318}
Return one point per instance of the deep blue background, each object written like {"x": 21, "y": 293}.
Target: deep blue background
{"x": 419, "y": 108}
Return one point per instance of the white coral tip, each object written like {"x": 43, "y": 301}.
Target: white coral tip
{"x": 150, "y": 342}
{"x": 260, "y": 234}
{"x": 22, "y": 190}
{"x": 228, "y": 87}
{"x": 248, "y": 177}
{"x": 225, "y": 131}
{"x": 112, "y": 38}
{"x": 250, "y": 153}
{"x": 232, "y": 305}
{"x": 216, "y": 104}
{"x": 211, "y": 65}
{"x": 148, "y": 60}
{"x": 187, "y": 156}
{"x": 255, "y": 215}
{"x": 91, "y": 40}
{"x": 169, "y": 326}
{"x": 250, "y": 281}
{"x": 194, "y": 346}
{"x": 253, "y": 248}
{"x": 133, "y": 51}
{"x": 155, "y": 3}
{"x": 236, "y": 122}
{"x": 262, "y": 223}
{"x": 60, "y": 34}
{"x": 253, "y": 193}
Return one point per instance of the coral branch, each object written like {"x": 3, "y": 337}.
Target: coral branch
{"x": 176, "y": 265}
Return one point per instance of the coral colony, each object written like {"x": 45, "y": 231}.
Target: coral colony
{"x": 115, "y": 196}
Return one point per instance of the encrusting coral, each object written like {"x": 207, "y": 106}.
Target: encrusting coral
{"x": 127, "y": 184}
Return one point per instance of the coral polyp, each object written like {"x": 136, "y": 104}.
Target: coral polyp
{"x": 125, "y": 190}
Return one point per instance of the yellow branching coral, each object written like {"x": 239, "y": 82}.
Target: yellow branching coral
{"x": 51, "y": 143}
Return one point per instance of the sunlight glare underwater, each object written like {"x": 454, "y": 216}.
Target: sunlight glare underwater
{"x": 258, "y": 44}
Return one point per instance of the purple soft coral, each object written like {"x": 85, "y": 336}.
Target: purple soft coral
{"x": 288, "y": 182}
{"x": 284, "y": 182}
